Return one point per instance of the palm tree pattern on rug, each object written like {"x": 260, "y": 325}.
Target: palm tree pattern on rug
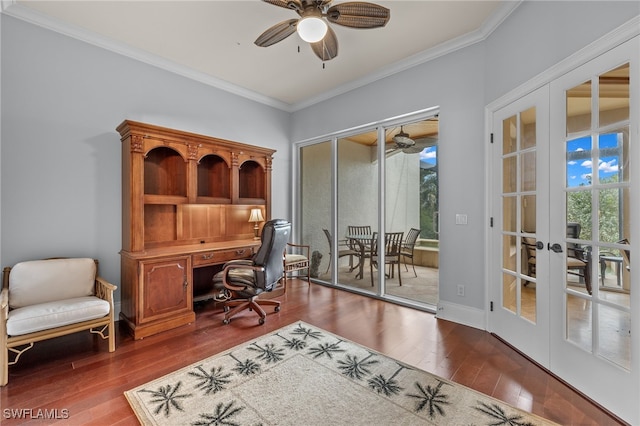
{"x": 217, "y": 391}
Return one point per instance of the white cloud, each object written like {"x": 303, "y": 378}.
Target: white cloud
{"x": 587, "y": 163}
{"x": 608, "y": 166}
{"x": 427, "y": 155}
{"x": 572, "y": 163}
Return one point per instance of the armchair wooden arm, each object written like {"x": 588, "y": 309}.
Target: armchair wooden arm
{"x": 104, "y": 289}
{"x": 298, "y": 260}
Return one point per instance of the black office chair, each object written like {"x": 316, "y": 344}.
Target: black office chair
{"x": 242, "y": 284}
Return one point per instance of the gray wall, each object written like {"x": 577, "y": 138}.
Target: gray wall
{"x": 62, "y": 100}
{"x": 534, "y": 37}
{"x": 538, "y": 35}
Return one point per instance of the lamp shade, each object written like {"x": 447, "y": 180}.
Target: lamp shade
{"x": 256, "y": 216}
{"x": 312, "y": 29}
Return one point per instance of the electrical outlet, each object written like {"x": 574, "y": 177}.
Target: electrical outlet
{"x": 461, "y": 219}
{"x": 460, "y": 290}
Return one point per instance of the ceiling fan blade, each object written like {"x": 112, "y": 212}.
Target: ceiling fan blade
{"x": 421, "y": 143}
{"x": 358, "y": 14}
{"x": 277, "y": 33}
{"x": 287, "y": 4}
{"x": 327, "y": 48}
{"x": 426, "y": 142}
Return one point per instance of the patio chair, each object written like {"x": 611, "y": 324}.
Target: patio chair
{"x": 342, "y": 252}
{"x": 392, "y": 247}
{"x": 408, "y": 247}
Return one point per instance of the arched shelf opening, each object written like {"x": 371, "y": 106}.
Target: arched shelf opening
{"x": 165, "y": 173}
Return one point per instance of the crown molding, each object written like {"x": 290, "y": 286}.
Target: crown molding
{"x": 435, "y": 52}
{"x": 14, "y": 9}
{"x": 619, "y": 35}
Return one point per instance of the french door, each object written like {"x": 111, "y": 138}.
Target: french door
{"x": 521, "y": 227}
{"x": 564, "y": 184}
{"x": 594, "y": 164}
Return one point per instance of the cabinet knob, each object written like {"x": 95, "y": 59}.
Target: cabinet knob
{"x": 240, "y": 252}
{"x": 207, "y": 256}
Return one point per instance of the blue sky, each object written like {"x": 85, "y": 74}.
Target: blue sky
{"x": 579, "y": 164}
{"x": 429, "y": 155}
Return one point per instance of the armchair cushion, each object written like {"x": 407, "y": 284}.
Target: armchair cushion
{"x": 41, "y": 281}
{"x": 44, "y": 316}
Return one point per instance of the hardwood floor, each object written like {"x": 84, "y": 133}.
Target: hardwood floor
{"x": 77, "y": 377}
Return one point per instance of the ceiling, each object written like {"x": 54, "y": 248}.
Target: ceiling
{"x": 212, "y": 41}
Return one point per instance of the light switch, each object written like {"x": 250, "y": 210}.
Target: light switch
{"x": 461, "y": 219}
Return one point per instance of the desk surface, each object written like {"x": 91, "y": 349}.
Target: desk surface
{"x": 192, "y": 248}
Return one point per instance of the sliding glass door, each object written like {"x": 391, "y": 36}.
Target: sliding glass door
{"x": 362, "y": 188}
{"x": 411, "y": 208}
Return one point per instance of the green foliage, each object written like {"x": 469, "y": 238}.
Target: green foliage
{"x": 428, "y": 203}
{"x": 579, "y": 209}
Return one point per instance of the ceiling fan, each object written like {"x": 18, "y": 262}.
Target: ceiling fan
{"x": 403, "y": 142}
{"x": 312, "y": 27}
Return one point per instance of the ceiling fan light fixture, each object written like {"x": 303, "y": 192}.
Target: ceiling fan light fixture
{"x": 312, "y": 29}
{"x": 402, "y": 139}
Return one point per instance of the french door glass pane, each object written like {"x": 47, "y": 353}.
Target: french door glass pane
{"x": 529, "y": 213}
{"x": 509, "y": 213}
{"x": 509, "y": 296}
{"x": 509, "y": 169}
{"x": 579, "y": 162}
{"x": 529, "y": 300}
{"x": 614, "y": 336}
{"x": 509, "y": 135}
{"x": 614, "y": 96}
{"x": 579, "y": 108}
{"x": 579, "y": 326}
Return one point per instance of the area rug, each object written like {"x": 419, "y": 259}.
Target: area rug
{"x": 303, "y": 375}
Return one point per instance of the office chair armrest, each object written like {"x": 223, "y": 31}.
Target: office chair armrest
{"x": 237, "y": 264}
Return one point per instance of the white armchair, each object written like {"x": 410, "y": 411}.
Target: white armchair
{"x": 43, "y": 299}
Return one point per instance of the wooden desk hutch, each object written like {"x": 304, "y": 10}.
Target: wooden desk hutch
{"x": 186, "y": 200}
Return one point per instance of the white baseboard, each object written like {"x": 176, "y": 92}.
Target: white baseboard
{"x": 462, "y": 314}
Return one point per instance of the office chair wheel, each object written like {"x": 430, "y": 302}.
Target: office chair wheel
{"x": 226, "y": 321}
{"x": 277, "y": 309}
{"x": 261, "y": 321}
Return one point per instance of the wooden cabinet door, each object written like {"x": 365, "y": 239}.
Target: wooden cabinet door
{"x": 165, "y": 288}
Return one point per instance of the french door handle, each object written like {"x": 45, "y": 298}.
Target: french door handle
{"x": 539, "y": 245}
{"x": 556, "y": 248}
